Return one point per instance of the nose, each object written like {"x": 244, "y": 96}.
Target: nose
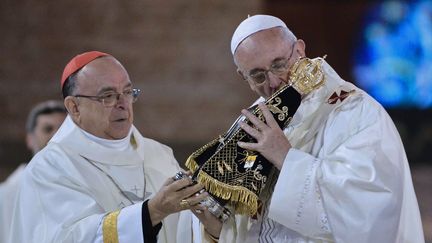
{"x": 274, "y": 80}
{"x": 121, "y": 102}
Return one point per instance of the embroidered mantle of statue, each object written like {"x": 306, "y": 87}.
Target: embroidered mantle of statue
{"x": 236, "y": 176}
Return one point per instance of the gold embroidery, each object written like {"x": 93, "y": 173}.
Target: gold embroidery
{"x": 220, "y": 168}
{"x": 282, "y": 112}
{"x": 227, "y": 166}
{"x": 109, "y": 228}
{"x": 257, "y": 173}
{"x": 273, "y": 107}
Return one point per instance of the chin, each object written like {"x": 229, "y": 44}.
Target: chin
{"x": 118, "y": 135}
{"x": 119, "y": 131}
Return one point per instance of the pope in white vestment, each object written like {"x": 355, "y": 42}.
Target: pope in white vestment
{"x": 75, "y": 182}
{"x": 345, "y": 176}
{"x": 349, "y": 181}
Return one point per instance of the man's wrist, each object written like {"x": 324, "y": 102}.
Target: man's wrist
{"x": 156, "y": 215}
{"x": 150, "y": 230}
{"x": 281, "y": 160}
{"x": 212, "y": 236}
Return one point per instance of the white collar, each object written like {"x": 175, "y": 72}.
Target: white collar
{"x": 71, "y": 138}
{"x": 118, "y": 144}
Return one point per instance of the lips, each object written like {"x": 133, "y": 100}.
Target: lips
{"x": 120, "y": 117}
{"x": 120, "y": 120}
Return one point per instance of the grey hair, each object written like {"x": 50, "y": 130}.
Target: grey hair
{"x": 44, "y": 108}
{"x": 69, "y": 85}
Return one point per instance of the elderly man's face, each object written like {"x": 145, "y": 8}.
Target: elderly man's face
{"x": 104, "y": 76}
{"x": 264, "y": 54}
{"x": 46, "y": 126}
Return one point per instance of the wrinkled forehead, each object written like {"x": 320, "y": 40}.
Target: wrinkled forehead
{"x": 261, "y": 48}
{"x": 102, "y": 73}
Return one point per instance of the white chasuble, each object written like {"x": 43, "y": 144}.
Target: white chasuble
{"x": 8, "y": 193}
{"x": 75, "y": 188}
{"x": 346, "y": 179}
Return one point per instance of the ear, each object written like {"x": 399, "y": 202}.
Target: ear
{"x": 300, "y": 48}
{"x": 30, "y": 142}
{"x": 72, "y": 106}
{"x": 241, "y": 74}
{"x": 251, "y": 84}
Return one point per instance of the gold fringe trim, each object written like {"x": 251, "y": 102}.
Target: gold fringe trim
{"x": 109, "y": 228}
{"x": 191, "y": 164}
{"x": 243, "y": 200}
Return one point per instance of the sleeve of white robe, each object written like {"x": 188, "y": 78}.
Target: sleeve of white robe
{"x": 352, "y": 187}
{"x": 52, "y": 208}
{"x": 128, "y": 224}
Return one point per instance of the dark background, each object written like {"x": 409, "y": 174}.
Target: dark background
{"x": 178, "y": 53}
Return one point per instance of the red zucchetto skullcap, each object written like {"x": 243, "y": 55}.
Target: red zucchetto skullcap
{"x": 78, "y": 62}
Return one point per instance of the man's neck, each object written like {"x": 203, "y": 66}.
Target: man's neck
{"x": 118, "y": 144}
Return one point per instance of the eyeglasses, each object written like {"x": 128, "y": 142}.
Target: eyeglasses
{"x": 278, "y": 68}
{"x": 110, "y": 99}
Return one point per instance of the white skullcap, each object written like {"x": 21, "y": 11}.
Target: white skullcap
{"x": 251, "y": 25}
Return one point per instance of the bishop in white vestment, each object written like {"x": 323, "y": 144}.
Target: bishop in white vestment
{"x": 75, "y": 182}
{"x": 98, "y": 179}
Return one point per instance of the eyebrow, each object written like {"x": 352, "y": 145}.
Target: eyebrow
{"x": 255, "y": 70}
{"x": 107, "y": 89}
